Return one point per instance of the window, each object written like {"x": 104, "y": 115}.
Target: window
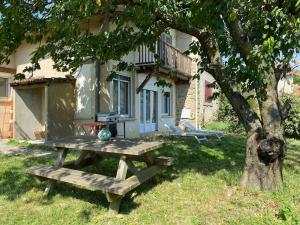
{"x": 166, "y": 103}
{"x": 4, "y": 87}
{"x": 208, "y": 93}
{"x": 121, "y": 95}
{"x": 168, "y": 38}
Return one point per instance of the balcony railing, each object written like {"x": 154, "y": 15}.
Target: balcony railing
{"x": 170, "y": 57}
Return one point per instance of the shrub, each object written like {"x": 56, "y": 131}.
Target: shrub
{"x": 296, "y": 80}
{"x": 292, "y": 123}
{"x": 287, "y": 213}
{"x": 227, "y": 115}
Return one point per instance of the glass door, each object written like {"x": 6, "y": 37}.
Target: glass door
{"x": 148, "y": 111}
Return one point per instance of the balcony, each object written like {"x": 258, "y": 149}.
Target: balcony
{"x": 171, "y": 58}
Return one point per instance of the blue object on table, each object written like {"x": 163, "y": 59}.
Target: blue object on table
{"x": 104, "y": 134}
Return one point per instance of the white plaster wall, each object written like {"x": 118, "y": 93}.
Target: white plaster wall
{"x": 285, "y": 85}
{"x": 86, "y": 78}
{"x": 12, "y": 63}
{"x": 183, "y": 41}
{"x": 85, "y": 93}
{"x": 29, "y": 115}
{"x": 207, "y": 110}
{"x": 22, "y": 60}
{"x": 131, "y": 127}
{"x": 162, "y": 119}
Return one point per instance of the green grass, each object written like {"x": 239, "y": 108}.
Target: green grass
{"x": 201, "y": 188}
{"x": 218, "y": 125}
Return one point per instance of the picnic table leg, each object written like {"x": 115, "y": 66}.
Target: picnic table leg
{"x": 115, "y": 201}
{"x": 150, "y": 162}
{"x": 82, "y": 156}
{"x": 58, "y": 164}
{"x": 96, "y": 161}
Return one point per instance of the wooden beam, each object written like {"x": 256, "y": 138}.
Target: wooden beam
{"x": 145, "y": 81}
{"x": 7, "y": 70}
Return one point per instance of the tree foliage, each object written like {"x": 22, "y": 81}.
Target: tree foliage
{"x": 246, "y": 46}
{"x": 292, "y": 122}
{"x": 271, "y": 28}
{"x": 269, "y": 32}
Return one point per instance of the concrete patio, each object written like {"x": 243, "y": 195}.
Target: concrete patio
{"x": 8, "y": 149}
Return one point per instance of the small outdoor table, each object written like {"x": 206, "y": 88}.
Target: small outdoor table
{"x": 94, "y": 128}
{"x": 92, "y": 151}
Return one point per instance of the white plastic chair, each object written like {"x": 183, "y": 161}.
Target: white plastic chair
{"x": 218, "y": 133}
{"x": 177, "y": 131}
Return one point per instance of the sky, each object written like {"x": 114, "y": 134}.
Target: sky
{"x": 297, "y": 58}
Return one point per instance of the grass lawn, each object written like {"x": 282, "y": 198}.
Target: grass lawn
{"x": 201, "y": 188}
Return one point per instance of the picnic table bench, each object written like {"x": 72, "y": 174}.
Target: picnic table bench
{"x": 92, "y": 151}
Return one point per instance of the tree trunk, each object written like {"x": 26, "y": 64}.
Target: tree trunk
{"x": 266, "y": 146}
{"x": 264, "y": 162}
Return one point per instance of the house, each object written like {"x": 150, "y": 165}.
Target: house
{"x": 285, "y": 85}
{"x": 6, "y": 101}
{"x": 143, "y": 105}
{"x": 296, "y": 86}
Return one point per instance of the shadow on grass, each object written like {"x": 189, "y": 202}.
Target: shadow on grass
{"x": 223, "y": 159}
{"x": 292, "y": 161}
{"x": 189, "y": 155}
{"x": 15, "y": 182}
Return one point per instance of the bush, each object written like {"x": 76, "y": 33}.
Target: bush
{"x": 227, "y": 115}
{"x": 296, "y": 80}
{"x": 228, "y": 120}
{"x": 292, "y": 123}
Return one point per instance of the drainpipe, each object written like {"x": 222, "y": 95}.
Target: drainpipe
{"x": 97, "y": 88}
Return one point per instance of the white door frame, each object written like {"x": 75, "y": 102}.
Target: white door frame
{"x": 148, "y": 126}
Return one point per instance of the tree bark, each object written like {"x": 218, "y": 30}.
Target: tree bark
{"x": 265, "y": 148}
{"x": 264, "y": 163}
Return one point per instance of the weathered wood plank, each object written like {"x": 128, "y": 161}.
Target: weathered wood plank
{"x": 114, "y": 146}
{"x": 95, "y": 182}
{"x": 74, "y": 164}
{"x": 136, "y": 180}
{"x": 115, "y": 203}
{"x": 131, "y": 167}
{"x": 149, "y": 160}
{"x": 58, "y": 164}
{"x": 7, "y": 70}
{"x": 96, "y": 159}
{"x": 164, "y": 161}
{"x": 122, "y": 169}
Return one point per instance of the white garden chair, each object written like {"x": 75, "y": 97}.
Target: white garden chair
{"x": 218, "y": 133}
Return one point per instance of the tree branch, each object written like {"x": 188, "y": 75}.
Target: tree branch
{"x": 285, "y": 109}
{"x": 209, "y": 46}
{"x": 240, "y": 38}
{"x": 248, "y": 117}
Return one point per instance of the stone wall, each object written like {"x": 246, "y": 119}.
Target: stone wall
{"x": 207, "y": 112}
{"x": 186, "y": 100}
{"x": 191, "y": 97}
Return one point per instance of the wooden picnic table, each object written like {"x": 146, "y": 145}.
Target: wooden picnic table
{"x": 92, "y": 151}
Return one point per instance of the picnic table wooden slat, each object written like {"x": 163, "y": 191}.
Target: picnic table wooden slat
{"x": 95, "y": 182}
{"x": 117, "y": 146}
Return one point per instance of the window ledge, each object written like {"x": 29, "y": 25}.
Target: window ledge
{"x": 208, "y": 104}
{"x": 4, "y": 99}
{"x": 122, "y": 119}
{"x": 166, "y": 116}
